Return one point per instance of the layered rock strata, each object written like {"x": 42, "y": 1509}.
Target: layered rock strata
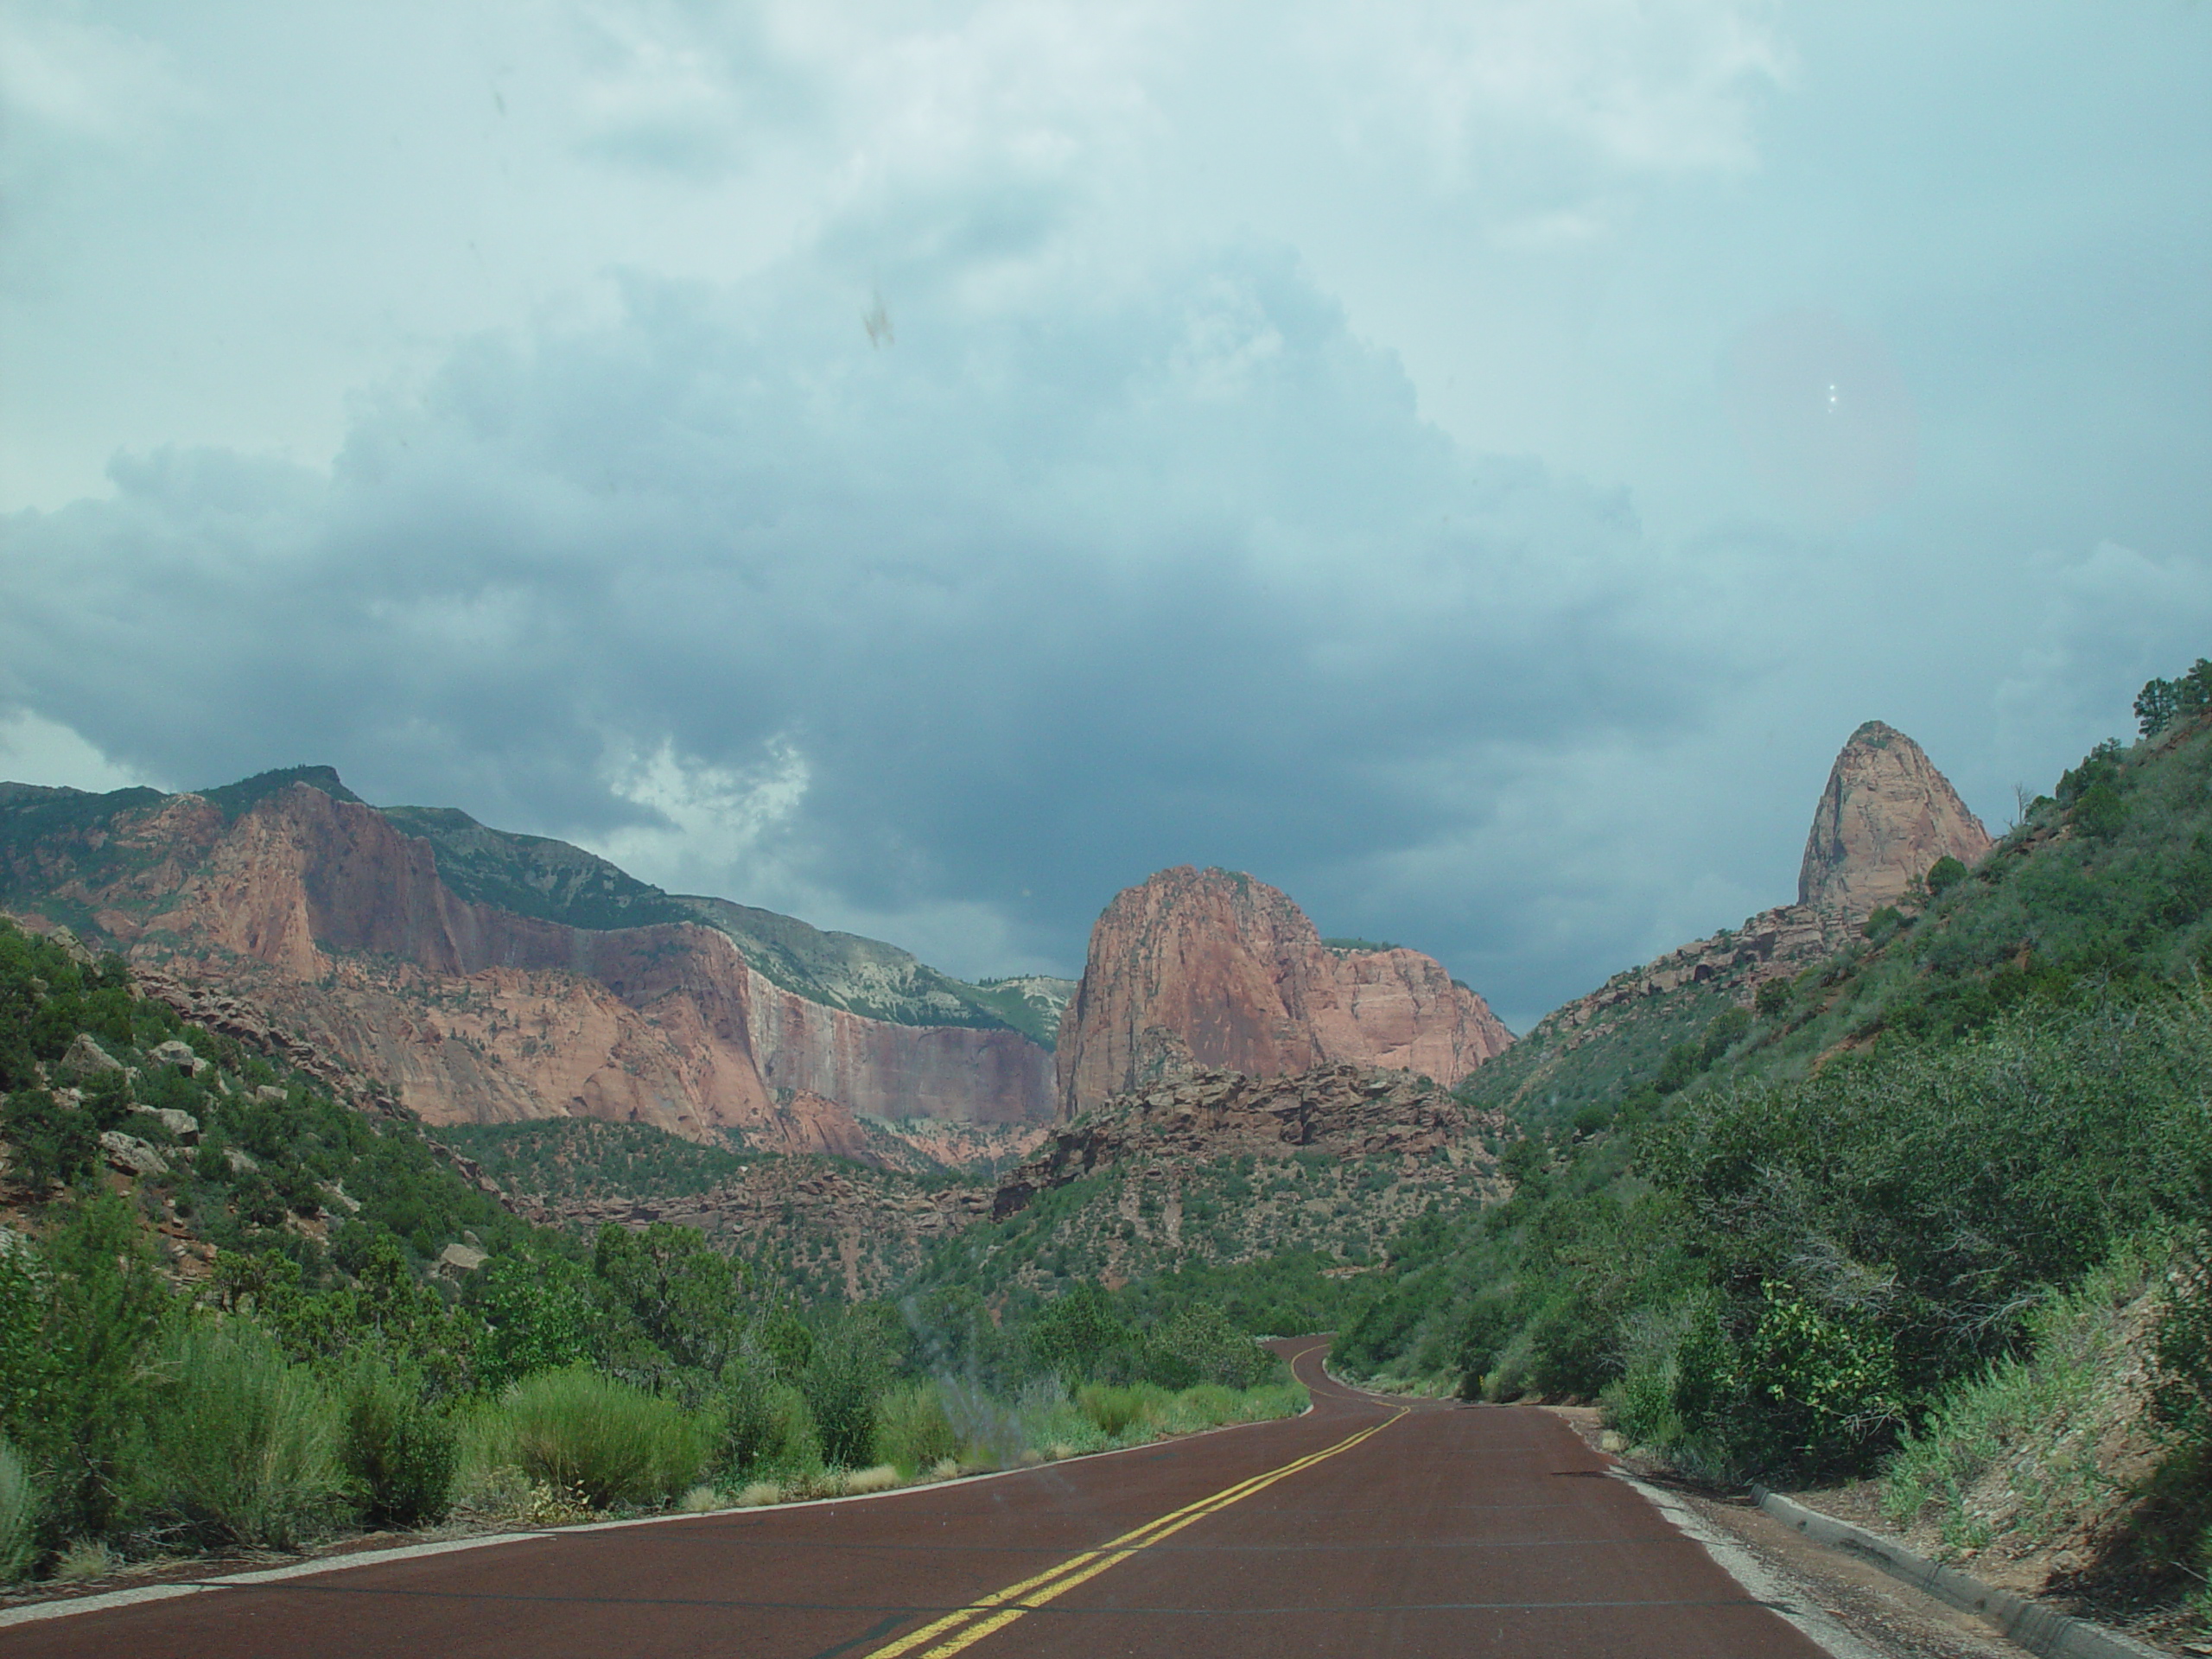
{"x": 316, "y": 916}
{"x": 1210, "y": 968}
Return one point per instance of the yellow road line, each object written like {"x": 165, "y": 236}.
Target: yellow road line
{"x": 964, "y": 1626}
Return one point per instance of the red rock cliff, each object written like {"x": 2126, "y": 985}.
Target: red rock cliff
{"x": 326, "y": 914}
{"x": 1886, "y": 817}
{"x": 1210, "y": 968}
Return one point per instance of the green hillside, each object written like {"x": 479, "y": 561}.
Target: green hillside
{"x": 1775, "y": 1241}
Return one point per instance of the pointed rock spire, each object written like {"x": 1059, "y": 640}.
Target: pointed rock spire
{"x": 1886, "y": 815}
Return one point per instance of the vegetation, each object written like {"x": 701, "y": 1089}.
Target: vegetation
{"x": 321, "y": 1367}
{"x": 568, "y": 1158}
{"x": 1880, "y": 1217}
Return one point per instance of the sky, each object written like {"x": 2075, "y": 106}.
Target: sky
{"x": 923, "y": 467}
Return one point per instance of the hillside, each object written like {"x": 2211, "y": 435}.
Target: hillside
{"x": 1884, "y": 818}
{"x": 1808, "y": 1210}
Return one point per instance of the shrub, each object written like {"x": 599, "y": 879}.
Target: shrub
{"x": 1197, "y": 1343}
{"x": 81, "y": 1317}
{"x": 841, "y": 1380}
{"x": 1114, "y": 1408}
{"x": 245, "y": 1441}
{"x": 52, "y": 1142}
{"x": 911, "y": 1429}
{"x": 576, "y": 1429}
{"x": 399, "y": 1452}
{"x": 19, "y": 1511}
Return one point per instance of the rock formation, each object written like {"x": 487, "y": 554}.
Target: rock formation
{"x": 309, "y": 912}
{"x": 1886, "y": 817}
{"x": 1348, "y": 1110}
{"x": 1197, "y": 968}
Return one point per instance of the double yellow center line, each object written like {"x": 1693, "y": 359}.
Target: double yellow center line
{"x": 965, "y": 1626}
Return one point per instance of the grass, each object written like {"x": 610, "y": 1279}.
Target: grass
{"x": 2018, "y": 1450}
{"x": 83, "y": 1557}
{"x": 577, "y": 1430}
{"x": 245, "y": 1442}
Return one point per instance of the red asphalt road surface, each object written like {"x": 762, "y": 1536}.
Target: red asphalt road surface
{"x": 1449, "y": 1528}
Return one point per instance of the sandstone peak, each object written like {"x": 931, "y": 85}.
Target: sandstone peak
{"x": 1211, "y": 968}
{"x": 1886, "y": 817}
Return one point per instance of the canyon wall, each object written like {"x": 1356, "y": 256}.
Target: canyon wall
{"x": 321, "y": 911}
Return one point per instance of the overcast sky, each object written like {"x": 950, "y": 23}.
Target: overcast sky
{"x": 923, "y": 467}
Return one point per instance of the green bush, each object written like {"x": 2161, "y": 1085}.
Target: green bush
{"x": 578, "y": 1430}
{"x": 19, "y": 1513}
{"x": 841, "y": 1380}
{"x": 1197, "y": 1343}
{"x": 913, "y": 1432}
{"x": 1115, "y": 1408}
{"x": 82, "y": 1320}
{"x": 51, "y": 1141}
{"x": 244, "y": 1442}
{"x": 398, "y": 1450}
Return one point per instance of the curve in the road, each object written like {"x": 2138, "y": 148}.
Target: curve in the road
{"x": 1366, "y": 1527}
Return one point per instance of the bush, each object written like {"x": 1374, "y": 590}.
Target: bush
{"x": 399, "y": 1452}
{"x": 245, "y": 1442}
{"x": 19, "y": 1512}
{"x": 1197, "y": 1343}
{"x": 575, "y": 1429}
{"x": 81, "y": 1318}
{"x": 52, "y": 1142}
{"x": 841, "y": 1380}
{"x": 913, "y": 1432}
{"x": 1114, "y": 1408}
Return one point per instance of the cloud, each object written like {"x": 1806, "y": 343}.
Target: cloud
{"x": 1038, "y": 599}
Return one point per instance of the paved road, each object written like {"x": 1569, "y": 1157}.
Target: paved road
{"x": 1367, "y": 1527}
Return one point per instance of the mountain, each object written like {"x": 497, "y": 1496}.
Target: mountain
{"x": 483, "y": 977}
{"x": 1197, "y": 970}
{"x": 1884, "y": 818}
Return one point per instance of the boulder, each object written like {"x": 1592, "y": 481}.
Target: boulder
{"x": 239, "y": 1161}
{"x": 462, "y": 1258}
{"x": 183, "y": 1125}
{"x": 178, "y": 1054}
{"x": 131, "y": 1155}
{"x": 269, "y": 1095}
{"x": 86, "y": 1058}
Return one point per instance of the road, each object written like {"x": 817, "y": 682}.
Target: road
{"x": 1366, "y": 1527}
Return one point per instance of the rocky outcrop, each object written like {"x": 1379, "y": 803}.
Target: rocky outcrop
{"x": 1349, "y": 1111}
{"x": 317, "y": 918}
{"x": 1886, "y": 817}
{"x": 1210, "y": 968}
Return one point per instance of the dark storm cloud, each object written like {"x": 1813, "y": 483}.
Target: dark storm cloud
{"x": 1042, "y": 600}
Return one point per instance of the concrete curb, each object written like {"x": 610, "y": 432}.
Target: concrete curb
{"x": 2038, "y": 1629}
